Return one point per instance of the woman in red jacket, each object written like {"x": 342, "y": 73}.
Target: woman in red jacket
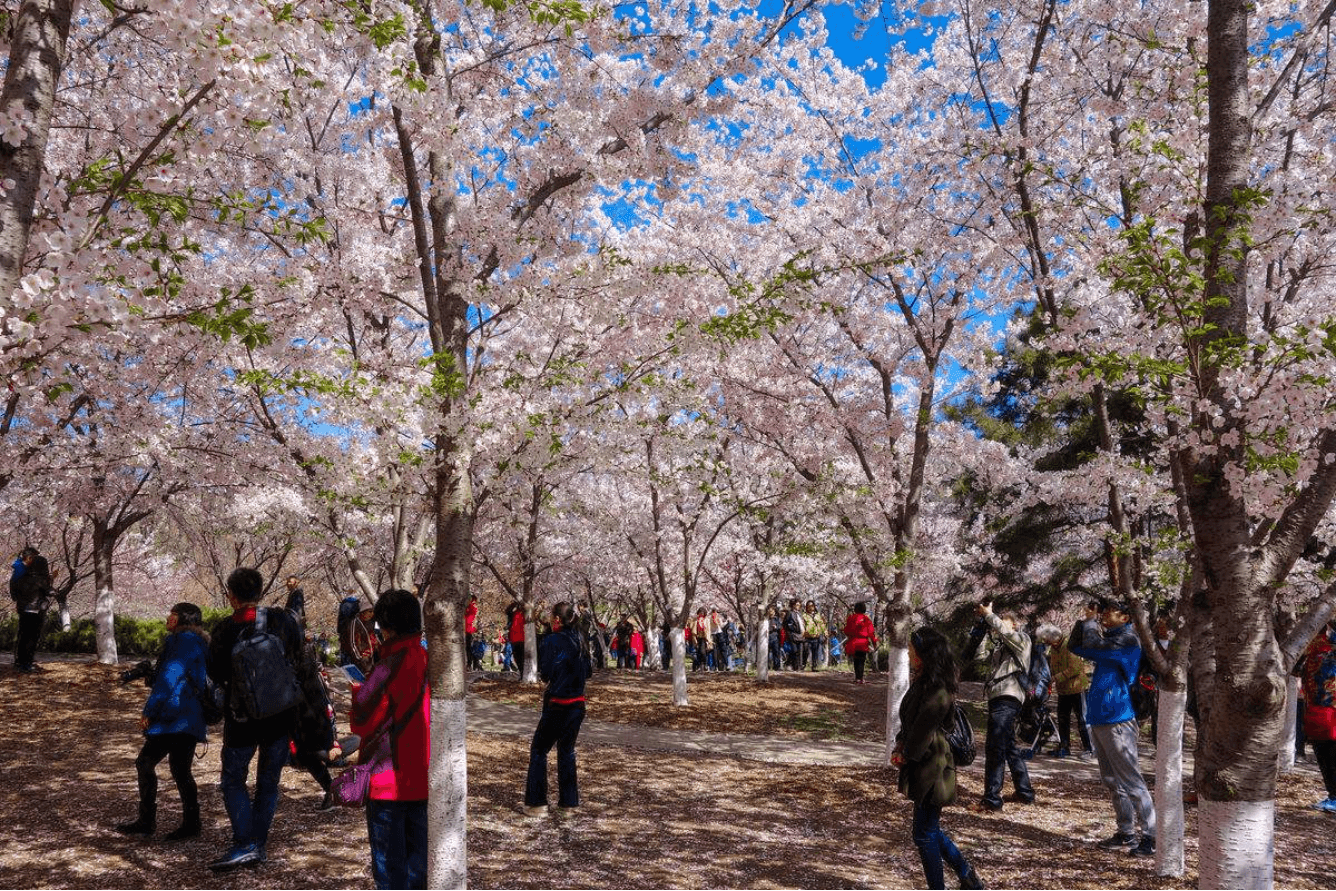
{"x": 396, "y": 697}
{"x": 862, "y": 636}
{"x": 1317, "y": 670}
{"x": 515, "y": 614}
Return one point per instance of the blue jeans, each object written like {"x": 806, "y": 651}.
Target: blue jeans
{"x": 251, "y": 822}
{"x": 1000, "y": 753}
{"x": 397, "y": 831}
{"x": 559, "y": 726}
{"x": 934, "y": 846}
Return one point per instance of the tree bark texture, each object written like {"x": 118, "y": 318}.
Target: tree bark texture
{"x": 896, "y": 685}
{"x": 36, "y": 60}
{"x": 104, "y": 583}
{"x": 763, "y": 649}
{"x": 677, "y": 637}
{"x": 1169, "y": 815}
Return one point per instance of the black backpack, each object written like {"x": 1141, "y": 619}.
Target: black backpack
{"x": 960, "y": 736}
{"x": 263, "y": 680}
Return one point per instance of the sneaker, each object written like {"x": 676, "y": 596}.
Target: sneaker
{"x": 1087, "y": 755}
{"x": 1329, "y": 805}
{"x": 1145, "y": 847}
{"x": 1062, "y": 753}
{"x": 983, "y": 807}
{"x": 971, "y": 879}
{"x": 536, "y": 810}
{"x": 1018, "y": 798}
{"x": 244, "y": 855}
{"x": 1120, "y": 840}
{"x": 566, "y": 813}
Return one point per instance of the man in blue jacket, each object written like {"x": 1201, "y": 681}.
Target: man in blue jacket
{"x": 1112, "y": 645}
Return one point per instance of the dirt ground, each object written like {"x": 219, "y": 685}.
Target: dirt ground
{"x": 648, "y": 819}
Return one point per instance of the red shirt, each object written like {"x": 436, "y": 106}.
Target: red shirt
{"x": 860, "y": 633}
{"x": 388, "y": 688}
{"x": 471, "y": 618}
{"x": 517, "y": 627}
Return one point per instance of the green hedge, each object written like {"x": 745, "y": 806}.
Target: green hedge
{"x": 134, "y": 637}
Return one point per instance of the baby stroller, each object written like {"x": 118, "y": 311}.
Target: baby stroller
{"x": 1035, "y": 727}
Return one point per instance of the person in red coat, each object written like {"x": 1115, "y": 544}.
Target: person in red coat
{"x": 396, "y": 692}
{"x": 515, "y": 615}
{"x": 1317, "y": 671}
{"x": 637, "y": 646}
{"x": 471, "y": 659}
{"x": 862, "y": 636}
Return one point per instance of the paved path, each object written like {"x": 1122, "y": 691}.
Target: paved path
{"x": 486, "y": 716}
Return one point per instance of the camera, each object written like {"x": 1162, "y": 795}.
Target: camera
{"x": 142, "y": 671}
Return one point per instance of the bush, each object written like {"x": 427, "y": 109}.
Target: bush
{"x": 134, "y": 637}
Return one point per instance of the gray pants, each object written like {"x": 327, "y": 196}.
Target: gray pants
{"x": 1116, "y": 751}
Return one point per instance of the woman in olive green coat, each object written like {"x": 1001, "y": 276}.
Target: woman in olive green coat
{"x": 927, "y": 770}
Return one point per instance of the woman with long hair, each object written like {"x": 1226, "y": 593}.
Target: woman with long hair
{"x": 927, "y": 769}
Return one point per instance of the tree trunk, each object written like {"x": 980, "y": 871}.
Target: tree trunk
{"x": 1169, "y": 857}
{"x": 897, "y": 684}
{"x": 1288, "y": 730}
{"x": 763, "y": 649}
{"x": 530, "y": 654}
{"x": 104, "y": 586}
{"x": 41, "y": 31}
{"x": 446, "y": 600}
{"x": 678, "y": 640}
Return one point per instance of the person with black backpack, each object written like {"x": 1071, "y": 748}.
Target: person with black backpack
{"x": 924, "y": 755}
{"x": 258, "y": 660}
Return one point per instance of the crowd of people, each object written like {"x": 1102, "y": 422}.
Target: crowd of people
{"x": 255, "y": 674}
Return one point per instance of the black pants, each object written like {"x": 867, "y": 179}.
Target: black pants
{"x": 1000, "y": 753}
{"x": 558, "y": 726}
{"x": 774, "y": 651}
{"x": 315, "y": 766}
{"x": 25, "y": 646}
{"x": 1324, "y": 750}
{"x": 470, "y": 660}
{"x": 179, "y": 750}
{"x": 1069, "y": 705}
{"x": 517, "y": 654}
{"x": 797, "y": 648}
{"x": 860, "y": 661}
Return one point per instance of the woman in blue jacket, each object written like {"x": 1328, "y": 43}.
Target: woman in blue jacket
{"x": 173, "y": 723}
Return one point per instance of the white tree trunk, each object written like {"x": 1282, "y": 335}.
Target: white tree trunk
{"x": 897, "y": 683}
{"x": 530, "y": 654}
{"x": 1169, "y": 858}
{"x": 653, "y": 650}
{"x": 104, "y": 604}
{"x": 1286, "y": 761}
{"x": 1237, "y": 843}
{"x": 763, "y": 650}
{"x": 677, "y": 638}
{"x": 65, "y": 617}
{"x": 447, "y": 802}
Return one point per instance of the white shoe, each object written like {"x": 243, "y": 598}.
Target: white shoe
{"x": 539, "y": 810}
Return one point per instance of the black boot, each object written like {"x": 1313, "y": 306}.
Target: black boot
{"x": 189, "y": 828}
{"x": 970, "y": 879}
{"x": 144, "y": 825}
